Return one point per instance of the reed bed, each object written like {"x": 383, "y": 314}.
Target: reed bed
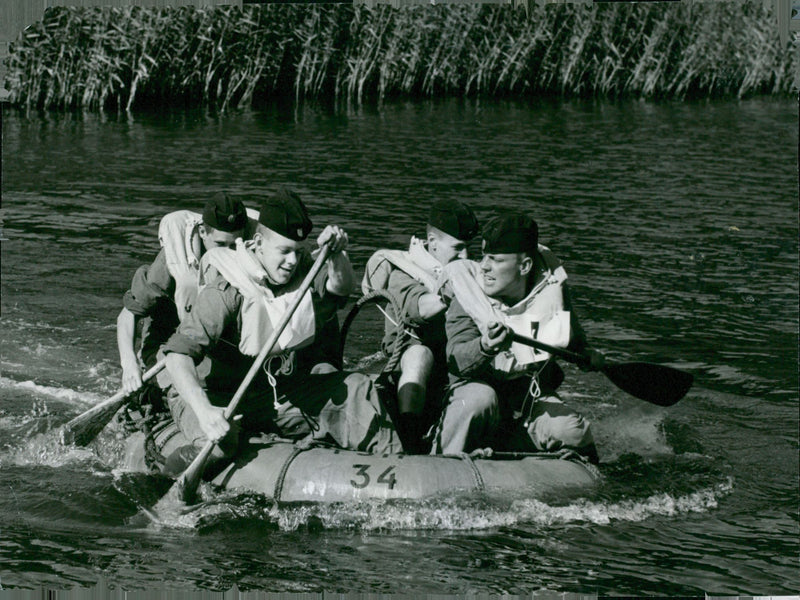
{"x": 101, "y": 58}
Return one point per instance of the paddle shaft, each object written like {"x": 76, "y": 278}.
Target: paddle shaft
{"x": 90, "y": 422}
{"x": 190, "y": 478}
{"x": 121, "y": 395}
{"x": 567, "y": 355}
{"x": 657, "y": 384}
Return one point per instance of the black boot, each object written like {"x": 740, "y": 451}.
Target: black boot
{"x": 411, "y": 430}
{"x": 590, "y": 453}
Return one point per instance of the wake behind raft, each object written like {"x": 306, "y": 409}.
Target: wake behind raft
{"x": 288, "y": 472}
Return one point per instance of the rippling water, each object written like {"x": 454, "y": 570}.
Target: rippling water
{"x": 678, "y": 226}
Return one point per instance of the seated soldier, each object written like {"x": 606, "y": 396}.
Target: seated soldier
{"x": 246, "y": 292}
{"x": 503, "y": 395}
{"x": 411, "y": 276}
{"x": 162, "y": 293}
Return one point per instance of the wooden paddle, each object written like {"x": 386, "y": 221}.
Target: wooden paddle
{"x": 186, "y": 485}
{"x": 656, "y": 384}
{"x": 84, "y": 428}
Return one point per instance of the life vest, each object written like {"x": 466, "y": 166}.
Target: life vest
{"x": 178, "y": 236}
{"x": 416, "y": 262}
{"x": 539, "y": 315}
{"x": 261, "y": 308}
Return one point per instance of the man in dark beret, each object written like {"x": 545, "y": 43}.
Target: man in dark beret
{"x": 162, "y": 293}
{"x": 503, "y": 394}
{"x": 412, "y": 278}
{"x": 245, "y": 293}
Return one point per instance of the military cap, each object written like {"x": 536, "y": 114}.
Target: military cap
{"x": 454, "y": 218}
{"x": 224, "y": 213}
{"x": 285, "y": 213}
{"x": 510, "y": 234}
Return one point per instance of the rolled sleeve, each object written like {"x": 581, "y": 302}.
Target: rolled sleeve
{"x": 320, "y": 290}
{"x": 214, "y": 311}
{"x": 407, "y": 291}
{"x": 150, "y": 284}
{"x": 464, "y": 356}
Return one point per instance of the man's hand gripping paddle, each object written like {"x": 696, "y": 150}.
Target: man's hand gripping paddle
{"x": 185, "y": 487}
{"x": 84, "y": 428}
{"x": 656, "y": 384}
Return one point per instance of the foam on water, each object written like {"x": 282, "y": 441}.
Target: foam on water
{"x": 45, "y": 450}
{"x": 603, "y": 513}
{"x": 442, "y": 514}
{"x": 63, "y": 394}
{"x": 21, "y": 324}
{"x": 365, "y": 362}
{"x": 638, "y": 430}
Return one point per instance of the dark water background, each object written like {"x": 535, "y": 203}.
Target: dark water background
{"x": 678, "y": 224}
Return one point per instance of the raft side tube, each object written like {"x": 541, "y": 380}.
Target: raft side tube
{"x": 287, "y": 472}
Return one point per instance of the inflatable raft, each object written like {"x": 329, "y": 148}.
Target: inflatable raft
{"x": 288, "y": 472}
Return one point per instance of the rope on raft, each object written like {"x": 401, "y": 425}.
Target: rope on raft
{"x": 476, "y": 474}
{"x": 285, "y": 469}
{"x": 404, "y": 332}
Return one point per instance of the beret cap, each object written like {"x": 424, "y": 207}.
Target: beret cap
{"x": 509, "y": 234}
{"x": 285, "y": 213}
{"x": 454, "y": 218}
{"x": 224, "y": 213}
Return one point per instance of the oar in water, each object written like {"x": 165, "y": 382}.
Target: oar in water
{"x": 657, "y": 384}
{"x": 186, "y": 485}
{"x": 84, "y": 428}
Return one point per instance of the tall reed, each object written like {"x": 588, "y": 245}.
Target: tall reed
{"x": 228, "y": 57}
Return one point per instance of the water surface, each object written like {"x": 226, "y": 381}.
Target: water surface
{"x": 678, "y": 227}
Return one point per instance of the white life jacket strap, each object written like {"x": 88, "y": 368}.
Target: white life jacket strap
{"x": 286, "y": 368}
{"x": 533, "y": 394}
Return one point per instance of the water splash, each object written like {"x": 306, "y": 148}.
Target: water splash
{"x": 37, "y": 419}
{"x": 365, "y": 363}
{"x": 31, "y": 439}
{"x": 484, "y": 513}
{"x": 45, "y": 449}
{"x": 638, "y": 430}
{"x": 63, "y": 394}
{"x": 453, "y": 513}
{"x": 603, "y": 513}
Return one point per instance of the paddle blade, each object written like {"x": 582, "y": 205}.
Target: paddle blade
{"x": 656, "y": 384}
{"x": 84, "y": 428}
{"x": 185, "y": 487}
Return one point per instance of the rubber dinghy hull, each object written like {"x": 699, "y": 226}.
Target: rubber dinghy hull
{"x": 289, "y": 473}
